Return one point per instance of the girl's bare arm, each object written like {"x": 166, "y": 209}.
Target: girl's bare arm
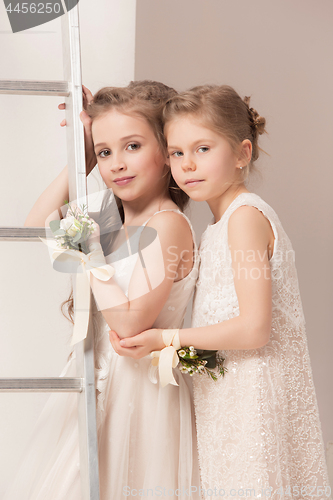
{"x": 47, "y": 207}
{"x": 250, "y": 234}
{"x": 150, "y": 283}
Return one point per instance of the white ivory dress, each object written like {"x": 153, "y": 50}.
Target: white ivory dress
{"x": 147, "y": 436}
{"x": 258, "y": 427}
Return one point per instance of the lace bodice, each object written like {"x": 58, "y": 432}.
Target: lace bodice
{"x": 258, "y": 427}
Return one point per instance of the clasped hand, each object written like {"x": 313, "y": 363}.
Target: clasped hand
{"x": 140, "y": 345}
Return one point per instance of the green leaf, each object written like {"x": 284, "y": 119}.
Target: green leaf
{"x": 54, "y": 225}
{"x": 74, "y": 246}
{"x": 77, "y": 237}
{"x": 60, "y": 232}
{"x": 208, "y": 354}
{"x": 212, "y": 375}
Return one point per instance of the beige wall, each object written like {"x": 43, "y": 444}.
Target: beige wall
{"x": 280, "y": 53}
{"x": 34, "y": 336}
{"x": 277, "y": 51}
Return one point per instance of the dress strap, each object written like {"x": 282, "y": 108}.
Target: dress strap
{"x": 253, "y": 200}
{"x": 185, "y": 217}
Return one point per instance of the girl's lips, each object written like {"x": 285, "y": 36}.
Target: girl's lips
{"x": 122, "y": 181}
{"x": 193, "y": 182}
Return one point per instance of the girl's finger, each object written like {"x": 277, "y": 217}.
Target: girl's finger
{"x": 114, "y": 334}
{"x": 86, "y": 120}
{"x": 113, "y": 343}
{"x": 63, "y": 123}
{"x": 87, "y": 93}
{"x": 130, "y": 342}
{"x": 62, "y": 106}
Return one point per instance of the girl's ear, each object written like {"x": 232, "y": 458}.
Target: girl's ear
{"x": 245, "y": 153}
{"x": 167, "y": 160}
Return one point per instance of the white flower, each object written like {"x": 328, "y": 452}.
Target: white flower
{"x": 192, "y": 348}
{"x": 70, "y": 225}
{"x": 192, "y": 354}
{"x": 67, "y": 223}
{"x": 182, "y": 353}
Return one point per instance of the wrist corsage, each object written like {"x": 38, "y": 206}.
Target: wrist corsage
{"x": 193, "y": 361}
{"x": 200, "y": 361}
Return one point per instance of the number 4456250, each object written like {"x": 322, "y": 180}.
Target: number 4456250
{"x": 33, "y": 8}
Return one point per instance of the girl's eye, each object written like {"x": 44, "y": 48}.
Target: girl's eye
{"x": 177, "y": 154}
{"x": 133, "y": 147}
{"x": 104, "y": 153}
{"x": 203, "y": 149}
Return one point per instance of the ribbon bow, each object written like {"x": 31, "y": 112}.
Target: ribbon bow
{"x": 93, "y": 262}
{"x": 167, "y": 358}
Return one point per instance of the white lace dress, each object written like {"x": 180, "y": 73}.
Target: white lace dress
{"x": 258, "y": 427}
{"x": 147, "y": 436}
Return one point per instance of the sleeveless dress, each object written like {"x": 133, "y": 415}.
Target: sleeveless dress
{"x": 258, "y": 427}
{"x": 146, "y": 434}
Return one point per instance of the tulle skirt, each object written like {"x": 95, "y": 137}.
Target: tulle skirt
{"x": 147, "y": 440}
{"x": 50, "y": 468}
{"x": 146, "y": 435}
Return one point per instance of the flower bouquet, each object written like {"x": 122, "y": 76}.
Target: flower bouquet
{"x": 72, "y": 252}
{"x": 72, "y": 233}
{"x": 199, "y": 361}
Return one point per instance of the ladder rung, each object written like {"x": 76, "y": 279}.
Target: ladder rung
{"x": 24, "y": 233}
{"x": 34, "y": 87}
{"x": 58, "y": 384}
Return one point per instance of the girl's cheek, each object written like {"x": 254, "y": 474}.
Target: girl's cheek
{"x": 102, "y": 173}
{"x": 174, "y": 171}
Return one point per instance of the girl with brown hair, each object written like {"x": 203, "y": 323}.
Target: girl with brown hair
{"x": 147, "y": 439}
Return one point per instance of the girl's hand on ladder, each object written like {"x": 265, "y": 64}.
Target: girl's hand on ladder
{"x": 91, "y": 159}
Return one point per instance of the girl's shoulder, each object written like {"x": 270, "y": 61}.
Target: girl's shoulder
{"x": 173, "y": 229}
{"x": 177, "y": 240}
{"x": 251, "y": 200}
{"x": 252, "y": 209}
{"x": 248, "y": 211}
{"x": 168, "y": 220}
{"x": 243, "y": 215}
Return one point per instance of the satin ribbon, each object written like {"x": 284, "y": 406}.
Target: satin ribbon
{"x": 93, "y": 262}
{"x": 167, "y": 358}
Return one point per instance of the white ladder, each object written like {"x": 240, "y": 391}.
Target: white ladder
{"x": 84, "y": 383}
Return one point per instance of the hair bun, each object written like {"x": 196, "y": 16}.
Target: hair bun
{"x": 258, "y": 122}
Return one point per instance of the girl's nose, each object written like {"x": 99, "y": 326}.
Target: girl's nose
{"x": 117, "y": 164}
{"x": 188, "y": 164}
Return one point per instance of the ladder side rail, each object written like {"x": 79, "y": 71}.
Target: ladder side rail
{"x": 78, "y": 191}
